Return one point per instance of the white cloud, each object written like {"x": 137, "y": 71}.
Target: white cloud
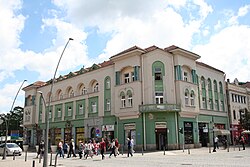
{"x": 230, "y": 48}
{"x": 241, "y": 13}
{"x": 7, "y": 94}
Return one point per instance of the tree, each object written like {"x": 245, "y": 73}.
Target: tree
{"x": 14, "y": 120}
{"x": 245, "y": 119}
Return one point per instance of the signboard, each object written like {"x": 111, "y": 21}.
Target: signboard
{"x": 108, "y": 128}
{"x": 160, "y": 125}
{"x": 129, "y": 126}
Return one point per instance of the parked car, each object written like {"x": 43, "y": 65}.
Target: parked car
{"x": 11, "y": 149}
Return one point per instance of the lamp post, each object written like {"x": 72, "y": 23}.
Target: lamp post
{"x": 6, "y": 120}
{"x": 45, "y": 160}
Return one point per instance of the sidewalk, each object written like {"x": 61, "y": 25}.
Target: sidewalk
{"x": 173, "y": 157}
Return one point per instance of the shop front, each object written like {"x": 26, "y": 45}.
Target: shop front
{"x": 80, "y": 134}
{"x": 130, "y": 132}
{"x": 108, "y": 132}
{"x": 161, "y": 137}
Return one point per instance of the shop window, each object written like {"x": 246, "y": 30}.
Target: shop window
{"x": 188, "y": 132}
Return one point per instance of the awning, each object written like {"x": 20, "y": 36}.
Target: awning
{"x": 222, "y": 132}
{"x": 246, "y": 132}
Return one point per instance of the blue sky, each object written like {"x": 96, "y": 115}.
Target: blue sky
{"x": 33, "y": 34}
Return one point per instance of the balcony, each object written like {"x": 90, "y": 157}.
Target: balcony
{"x": 159, "y": 108}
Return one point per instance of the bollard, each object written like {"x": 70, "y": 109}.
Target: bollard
{"x": 142, "y": 151}
{"x": 164, "y": 150}
{"x": 40, "y": 157}
{"x": 227, "y": 147}
{"x": 55, "y": 160}
{"x": 239, "y": 147}
{"x": 33, "y": 164}
{"x": 50, "y": 164}
{"x": 188, "y": 151}
{"x": 209, "y": 148}
{"x": 14, "y": 155}
{"x": 26, "y": 156}
{"x": 122, "y": 149}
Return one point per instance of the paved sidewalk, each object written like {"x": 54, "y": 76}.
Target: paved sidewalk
{"x": 193, "y": 157}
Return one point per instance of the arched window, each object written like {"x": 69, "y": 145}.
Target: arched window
{"x": 220, "y": 87}
{"x": 130, "y": 98}
{"x": 204, "y": 93}
{"x": 186, "y": 97}
{"x": 107, "y": 83}
{"x": 192, "y": 98}
{"x": 123, "y": 100}
{"x": 96, "y": 87}
{"x": 158, "y": 70}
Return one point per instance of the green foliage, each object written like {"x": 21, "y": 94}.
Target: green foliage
{"x": 245, "y": 119}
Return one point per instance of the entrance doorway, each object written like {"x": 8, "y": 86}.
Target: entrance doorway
{"x": 161, "y": 138}
{"x": 203, "y": 134}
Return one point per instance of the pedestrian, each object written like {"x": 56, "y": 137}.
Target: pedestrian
{"x": 132, "y": 145}
{"x": 112, "y": 146}
{"x": 216, "y": 140}
{"x": 103, "y": 148}
{"x": 90, "y": 148}
{"x": 85, "y": 150}
{"x": 81, "y": 149}
{"x": 71, "y": 148}
{"x": 40, "y": 150}
{"x": 60, "y": 149}
{"x": 242, "y": 141}
{"x": 65, "y": 148}
{"x": 117, "y": 146}
{"x": 129, "y": 147}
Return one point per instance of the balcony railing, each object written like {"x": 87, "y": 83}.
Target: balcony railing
{"x": 159, "y": 108}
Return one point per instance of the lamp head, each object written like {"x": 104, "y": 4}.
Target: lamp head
{"x": 71, "y": 39}
{"x": 40, "y": 92}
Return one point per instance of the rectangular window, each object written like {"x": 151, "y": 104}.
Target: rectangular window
{"x": 126, "y": 78}
{"x": 232, "y": 97}
{"x": 108, "y": 84}
{"x": 50, "y": 114}
{"x": 234, "y": 114}
{"x": 159, "y": 98}
{"x": 59, "y": 113}
{"x": 130, "y": 101}
{"x": 192, "y": 101}
{"x": 185, "y": 77}
{"x": 203, "y": 102}
{"x": 132, "y": 76}
{"x": 188, "y": 131}
{"x": 108, "y": 108}
{"x": 123, "y": 101}
{"x": 69, "y": 111}
{"x": 94, "y": 109}
{"x": 80, "y": 109}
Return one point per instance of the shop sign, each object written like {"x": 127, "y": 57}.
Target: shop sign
{"x": 108, "y": 127}
{"x": 160, "y": 125}
{"x": 129, "y": 126}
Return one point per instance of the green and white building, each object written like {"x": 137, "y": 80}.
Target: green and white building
{"x": 145, "y": 94}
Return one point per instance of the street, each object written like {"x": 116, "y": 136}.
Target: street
{"x": 196, "y": 158}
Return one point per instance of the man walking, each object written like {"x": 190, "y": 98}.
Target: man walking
{"x": 129, "y": 147}
{"x": 103, "y": 148}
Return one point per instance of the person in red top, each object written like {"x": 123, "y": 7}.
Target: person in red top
{"x": 117, "y": 145}
{"x": 103, "y": 148}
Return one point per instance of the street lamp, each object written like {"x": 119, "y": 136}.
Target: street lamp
{"x": 45, "y": 160}
{"x": 6, "y": 120}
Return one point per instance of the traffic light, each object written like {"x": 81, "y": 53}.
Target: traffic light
{"x": 181, "y": 130}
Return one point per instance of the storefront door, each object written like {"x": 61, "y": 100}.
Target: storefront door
{"x": 161, "y": 138}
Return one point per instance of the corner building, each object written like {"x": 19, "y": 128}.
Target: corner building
{"x": 145, "y": 94}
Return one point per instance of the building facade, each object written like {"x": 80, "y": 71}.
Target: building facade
{"x": 149, "y": 95}
{"x": 238, "y": 97}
